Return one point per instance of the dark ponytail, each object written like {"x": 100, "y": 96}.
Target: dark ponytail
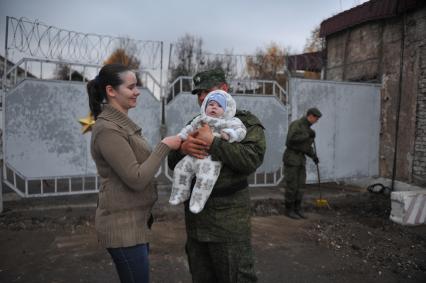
{"x": 96, "y": 89}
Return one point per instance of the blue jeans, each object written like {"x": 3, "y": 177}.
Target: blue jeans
{"x": 132, "y": 263}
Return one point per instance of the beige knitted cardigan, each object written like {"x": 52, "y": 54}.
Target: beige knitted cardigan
{"x": 126, "y": 167}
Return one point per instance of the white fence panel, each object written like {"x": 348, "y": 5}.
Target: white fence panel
{"x": 347, "y": 133}
{"x": 43, "y": 137}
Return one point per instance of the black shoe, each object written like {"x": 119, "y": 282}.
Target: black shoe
{"x": 291, "y": 214}
{"x": 298, "y": 209}
{"x": 301, "y": 214}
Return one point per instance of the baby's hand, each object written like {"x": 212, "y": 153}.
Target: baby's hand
{"x": 224, "y": 135}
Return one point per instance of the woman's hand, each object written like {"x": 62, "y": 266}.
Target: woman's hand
{"x": 194, "y": 146}
{"x": 173, "y": 142}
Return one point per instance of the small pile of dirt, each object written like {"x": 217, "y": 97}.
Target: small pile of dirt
{"x": 360, "y": 227}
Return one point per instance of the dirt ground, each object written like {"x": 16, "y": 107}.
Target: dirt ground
{"x": 54, "y": 241}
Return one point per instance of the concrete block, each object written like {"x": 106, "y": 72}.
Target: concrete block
{"x": 408, "y": 207}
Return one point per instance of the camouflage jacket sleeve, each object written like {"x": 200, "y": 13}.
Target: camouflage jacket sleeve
{"x": 173, "y": 158}
{"x": 235, "y": 129}
{"x": 309, "y": 150}
{"x": 299, "y": 139}
{"x": 296, "y": 134}
{"x": 245, "y": 156}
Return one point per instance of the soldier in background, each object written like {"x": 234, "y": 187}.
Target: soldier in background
{"x": 219, "y": 237}
{"x": 299, "y": 141}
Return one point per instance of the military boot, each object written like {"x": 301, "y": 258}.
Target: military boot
{"x": 290, "y": 212}
{"x": 299, "y": 210}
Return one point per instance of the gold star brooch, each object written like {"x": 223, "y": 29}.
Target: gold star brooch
{"x": 87, "y": 123}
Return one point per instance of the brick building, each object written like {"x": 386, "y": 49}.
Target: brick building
{"x": 384, "y": 41}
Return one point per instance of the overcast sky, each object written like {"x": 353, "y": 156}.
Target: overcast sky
{"x": 238, "y": 25}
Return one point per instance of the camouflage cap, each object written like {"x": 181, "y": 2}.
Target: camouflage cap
{"x": 314, "y": 111}
{"x": 208, "y": 79}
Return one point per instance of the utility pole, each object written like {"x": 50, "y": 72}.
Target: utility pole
{"x": 163, "y": 126}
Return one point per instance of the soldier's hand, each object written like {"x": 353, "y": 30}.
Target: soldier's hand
{"x": 194, "y": 146}
{"x": 315, "y": 159}
{"x": 205, "y": 134}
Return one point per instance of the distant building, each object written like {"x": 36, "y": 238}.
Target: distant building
{"x": 373, "y": 42}
{"x": 309, "y": 64}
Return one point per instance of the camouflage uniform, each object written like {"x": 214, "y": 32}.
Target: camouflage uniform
{"x": 206, "y": 170}
{"x": 299, "y": 141}
{"x": 218, "y": 244}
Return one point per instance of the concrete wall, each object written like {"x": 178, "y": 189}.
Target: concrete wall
{"x": 348, "y": 132}
{"x": 419, "y": 163}
{"x": 42, "y": 133}
{"x": 371, "y": 52}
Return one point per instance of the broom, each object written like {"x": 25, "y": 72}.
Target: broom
{"x": 319, "y": 202}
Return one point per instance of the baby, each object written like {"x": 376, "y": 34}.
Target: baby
{"x": 217, "y": 111}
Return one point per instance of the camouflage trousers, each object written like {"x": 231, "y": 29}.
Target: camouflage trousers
{"x": 295, "y": 180}
{"x": 220, "y": 262}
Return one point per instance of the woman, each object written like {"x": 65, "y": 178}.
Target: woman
{"x": 126, "y": 167}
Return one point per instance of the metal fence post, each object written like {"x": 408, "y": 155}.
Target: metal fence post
{"x": 2, "y": 93}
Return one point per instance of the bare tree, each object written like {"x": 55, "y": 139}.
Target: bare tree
{"x": 314, "y": 42}
{"x": 226, "y": 62}
{"x": 187, "y": 55}
{"x": 268, "y": 63}
{"x": 126, "y": 53}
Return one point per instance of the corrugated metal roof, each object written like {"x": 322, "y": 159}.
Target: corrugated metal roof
{"x": 368, "y": 11}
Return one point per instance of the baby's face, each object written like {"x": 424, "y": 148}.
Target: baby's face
{"x": 213, "y": 109}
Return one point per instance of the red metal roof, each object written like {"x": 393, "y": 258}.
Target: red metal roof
{"x": 368, "y": 11}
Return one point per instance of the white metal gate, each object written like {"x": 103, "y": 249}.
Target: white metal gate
{"x": 347, "y": 133}
{"x": 45, "y": 153}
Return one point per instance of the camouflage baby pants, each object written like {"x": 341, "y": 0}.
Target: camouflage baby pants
{"x": 206, "y": 171}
